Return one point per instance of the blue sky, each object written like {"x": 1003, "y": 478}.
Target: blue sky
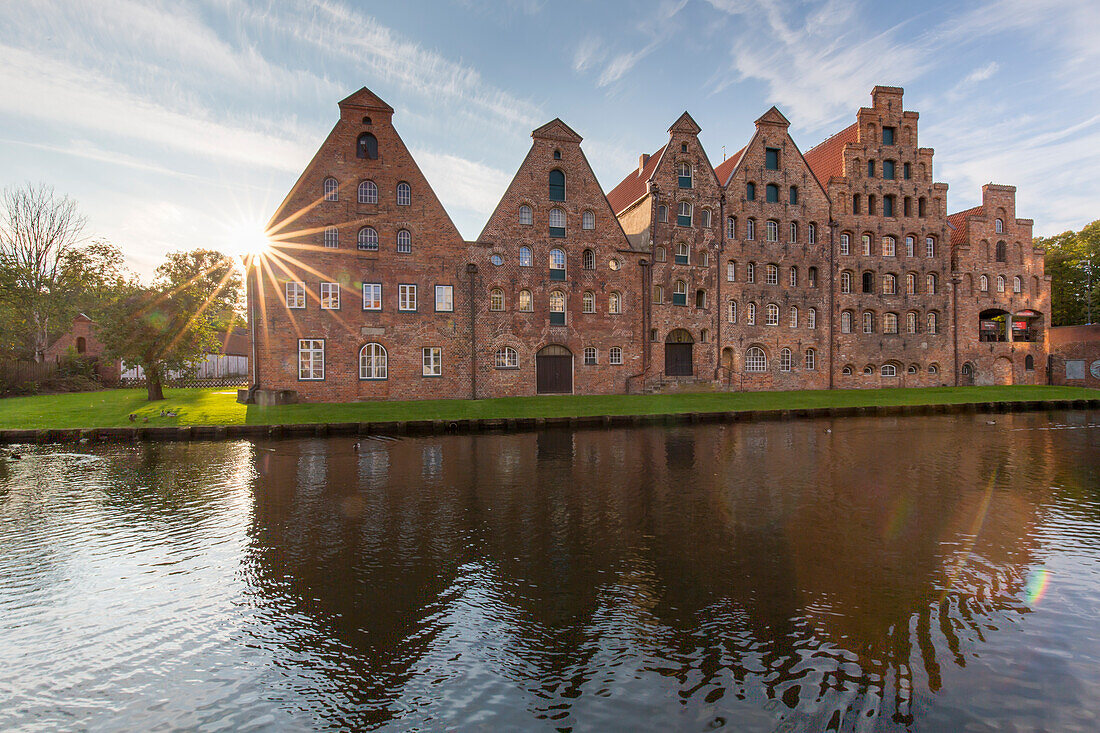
{"x": 183, "y": 124}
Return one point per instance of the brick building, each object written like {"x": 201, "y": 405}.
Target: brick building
{"x": 773, "y": 270}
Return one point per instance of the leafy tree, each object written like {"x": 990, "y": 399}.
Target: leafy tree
{"x": 172, "y": 324}
{"x": 1069, "y": 258}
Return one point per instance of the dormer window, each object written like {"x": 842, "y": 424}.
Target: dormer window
{"x": 367, "y": 145}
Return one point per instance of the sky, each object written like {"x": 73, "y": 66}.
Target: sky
{"x": 183, "y": 124}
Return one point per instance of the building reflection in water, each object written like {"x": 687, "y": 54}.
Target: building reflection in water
{"x": 822, "y": 572}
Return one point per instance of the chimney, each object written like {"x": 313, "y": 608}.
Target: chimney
{"x": 642, "y": 160}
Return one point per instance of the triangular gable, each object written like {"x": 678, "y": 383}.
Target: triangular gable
{"x": 365, "y": 99}
{"x": 686, "y": 125}
{"x": 555, "y": 129}
{"x": 773, "y": 117}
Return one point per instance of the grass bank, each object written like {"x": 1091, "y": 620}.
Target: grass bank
{"x": 219, "y": 406}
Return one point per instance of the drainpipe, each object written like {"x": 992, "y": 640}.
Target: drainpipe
{"x": 471, "y": 272}
{"x": 647, "y": 286}
{"x": 718, "y": 306}
{"x": 832, "y": 301}
{"x": 955, "y": 324}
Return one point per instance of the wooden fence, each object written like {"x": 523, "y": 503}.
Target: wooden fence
{"x": 20, "y": 372}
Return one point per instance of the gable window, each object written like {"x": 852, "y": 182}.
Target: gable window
{"x": 811, "y": 360}
{"x": 614, "y": 303}
{"x": 368, "y": 192}
{"x": 983, "y": 284}
{"x": 771, "y": 231}
{"x": 785, "y": 360}
{"x": 811, "y": 318}
{"x": 887, "y": 135}
{"x": 373, "y": 362}
{"x": 704, "y": 218}
{"x": 588, "y": 260}
{"x": 404, "y": 241}
{"x": 683, "y": 173}
{"x": 683, "y": 214}
{"x": 731, "y": 271}
{"x": 366, "y": 146}
{"x": 557, "y": 264}
{"x": 771, "y": 315}
{"x": 750, "y": 232}
{"x": 525, "y": 216}
{"x": 557, "y": 185}
{"x": 888, "y": 170}
{"x": 588, "y": 220}
{"x": 890, "y": 323}
{"x": 845, "y": 244}
{"x": 910, "y": 247}
{"x": 662, "y": 214}
{"x": 750, "y": 272}
{"x": 557, "y": 308}
{"x": 432, "y": 361}
{"x": 557, "y": 223}
{"x": 930, "y": 247}
{"x": 525, "y": 303}
{"x": 615, "y": 355}
{"x": 330, "y": 296}
{"x": 295, "y": 295}
{"x": 506, "y": 358}
{"x": 332, "y": 189}
{"x": 406, "y": 297}
{"x": 683, "y": 147}
{"x": 332, "y": 237}
{"x": 590, "y": 356}
{"x": 444, "y": 298}
{"x": 999, "y": 226}
{"x": 756, "y": 360}
{"x": 731, "y": 313}
{"x": 771, "y": 193}
{"x": 811, "y": 233}
{"x": 588, "y": 302}
{"x": 683, "y": 254}
{"x": 404, "y": 194}
{"x": 750, "y": 316}
{"x": 889, "y": 246}
{"x": 846, "y": 322}
{"x": 311, "y": 359}
{"x": 888, "y": 205}
{"x": 372, "y": 296}
{"x": 771, "y": 159}
{"x": 771, "y": 275}
{"x": 1002, "y": 252}
{"x": 794, "y": 194}
{"x": 496, "y": 299}
{"x": 525, "y": 256}
{"x": 750, "y": 191}
{"x": 680, "y": 293}
{"x": 731, "y": 227}
{"x": 794, "y": 232}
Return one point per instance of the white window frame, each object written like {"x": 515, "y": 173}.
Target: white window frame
{"x": 792, "y": 319}
{"x": 731, "y": 271}
{"x": 591, "y": 356}
{"x": 810, "y": 362}
{"x": 845, "y": 244}
{"x": 295, "y": 294}
{"x": 750, "y": 315}
{"x": 368, "y": 192}
{"x": 372, "y": 296}
{"x": 374, "y": 363}
{"x": 315, "y": 370}
{"x": 526, "y": 256}
{"x": 506, "y": 358}
{"x": 811, "y": 318}
{"x": 615, "y": 302}
{"x": 771, "y": 230}
{"x": 404, "y": 194}
{"x": 404, "y": 243}
{"x": 785, "y": 360}
{"x": 588, "y": 220}
{"x": 367, "y": 239}
{"x": 771, "y": 314}
{"x": 525, "y": 295}
{"x": 930, "y": 247}
{"x": 332, "y": 237}
{"x": 526, "y": 216}
{"x": 431, "y": 361}
{"x": 444, "y": 294}
{"x": 615, "y": 355}
{"x": 756, "y": 361}
{"x": 331, "y": 188}
{"x": 496, "y": 299}
{"x": 406, "y": 297}
{"x": 330, "y": 294}
{"x": 771, "y": 274}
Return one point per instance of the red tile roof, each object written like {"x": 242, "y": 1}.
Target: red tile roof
{"x": 725, "y": 168}
{"x": 633, "y": 187}
{"x": 826, "y": 159}
{"x": 957, "y": 220}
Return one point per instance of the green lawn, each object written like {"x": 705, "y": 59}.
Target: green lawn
{"x": 219, "y": 407}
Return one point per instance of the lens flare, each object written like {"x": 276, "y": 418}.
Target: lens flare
{"x": 1037, "y": 582}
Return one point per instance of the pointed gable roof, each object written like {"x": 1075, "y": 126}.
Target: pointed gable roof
{"x": 555, "y": 129}
{"x": 773, "y": 117}
{"x": 726, "y": 167}
{"x": 633, "y": 187}
{"x": 685, "y": 124}
{"x": 957, "y": 221}
{"x": 826, "y": 159}
{"x": 365, "y": 99}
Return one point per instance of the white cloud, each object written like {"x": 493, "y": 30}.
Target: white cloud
{"x": 462, "y": 183}
{"x": 982, "y": 73}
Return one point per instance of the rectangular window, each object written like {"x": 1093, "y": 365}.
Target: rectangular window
{"x": 444, "y": 298}
{"x": 866, "y": 245}
{"x": 771, "y": 159}
{"x": 845, "y": 245}
{"x": 811, "y": 234}
{"x": 433, "y": 361}
{"x": 870, "y": 169}
{"x": 662, "y": 214}
{"x": 887, "y": 136}
{"x": 311, "y": 359}
{"x": 372, "y": 296}
{"x": 295, "y": 295}
{"x": 887, "y": 205}
{"x": 406, "y": 297}
{"x": 771, "y": 194}
{"x": 330, "y": 296}
{"x": 888, "y": 170}
{"x": 731, "y": 271}
{"x": 679, "y": 298}
{"x": 615, "y": 355}
{"x": 589, "y": 356}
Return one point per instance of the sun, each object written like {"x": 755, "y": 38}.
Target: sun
{"x": 246, "y": 240}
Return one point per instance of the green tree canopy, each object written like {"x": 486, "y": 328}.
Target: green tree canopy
{"x": 1073, "y": 262}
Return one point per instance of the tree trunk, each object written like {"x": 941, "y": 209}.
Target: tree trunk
{"x": 153, "y": 383}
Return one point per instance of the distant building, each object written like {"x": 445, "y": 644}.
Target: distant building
{"x": 1075, "y": 355}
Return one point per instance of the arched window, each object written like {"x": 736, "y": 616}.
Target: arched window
{"x": 731, "y": 312}
{"x": 999, "y": 226}
{"x": 366, "y": 146}
{"x": 930, "y": 283}
{"x": 868, "y": 282}
{"x": 771, "y": 193}
{"x": 890, "y": 323}
{"x": 332, "y": 237}
{"x": 756, "y": 360}
{"x": 588, "y": 302}
{"x": 368, "y": 192}
{"x": 889, "y": 247}
{"x": 525, "y": 258}
{"x": 868, "y": 322}
{"x": 588, "y": 220}
{"x": 404, "y": 241}
{"x": 983, "y": 284}
{"x": 811, "y": 277}
{"x": 683, "y": 173}
{"x": 680, "y": 293}
{"x": 930, "y": 247}
{"x": 889, "y": 370}
{"x": 662, "y": 213}
{"x": 910, "y": 247}
{"x": 1000, "y": 283}
{"x": 615, "y": 302}
{"x": 811, "y": 360}
{"x": 794, "y": 232}
{"x": 81, "y": 345}
{"x": 793, "y": 311}
{"x": 332, "y": 189}
{"x": 731, "y": 271}
{"x": 1029, "y": 363}
{"x": 913, "y": 369}
{"x": 557, "y": 308}
{"x": 750, "y": 316}
{"x": 506, "y": 358}
{"x": 683, "y": 214}
{"x": 404, "y": 194}
{"x": 731, "y": 227}
{"x": 373, "y": 362}
{"x": 771, "y": 315}
{"x": 525, "y": 301}
{"x": 846, "y": 322}
{"x": 557, "y": 264}
{"x": 771, "y": 274}
{"x": 658, "y": 294}
{"x": 525, "y": 216}
{"x": 771, "y": 231}
{"x": 868, "y": 370}
{"x": 846, "y": 371}
{"x": 1017, "y": 285}
{"x": 845, "y": 282}
{"x": 811, "y": 233}
{"x": 794, "y": 194}
{"x": 889, "y": 284}
{"x": 911, "y": 284}
{"x": 1002, "y": 252}
{"x": 588, "y": 260}
{"x": 750, "y": 191}
{"x": 683, "y": 254}
{"x": 750, "y": 272}
{"x": 845, "y": 243}
{"x": 784, "y": 360}
{"x": 557, "y": 223}
{"x": 660, "y": 255}
{"x": 368, "y": 239}
{"x": 793, "y": 277}
{"x": 933, "y": 323}
{"x": 705, "y": 218}
{"x": 811, "y": 318}
{"x": 557, "y": 185}
{"x": 866, "y": 241}
{"x": 911, "y": 322}
{"x": 496, "y": 299}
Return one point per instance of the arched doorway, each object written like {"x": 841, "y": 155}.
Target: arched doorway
{"x": 1002, "y": 370}
{"x": 678, "y": 362}
{"x": 554, "y": 370}
{"x": 966, "y": 377}
{"x": 81, "y": 345}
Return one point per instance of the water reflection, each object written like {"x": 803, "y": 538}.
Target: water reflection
{"x": 843, "y": 575}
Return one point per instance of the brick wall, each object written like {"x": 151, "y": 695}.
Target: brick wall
{"x": 1076, "y": 344}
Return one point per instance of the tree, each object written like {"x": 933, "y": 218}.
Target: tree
{"x": 1069, "y": 258}
{"x": 172, "y": 324}
{"x": 39, "y": 231}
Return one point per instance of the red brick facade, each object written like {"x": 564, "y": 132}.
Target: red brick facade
{"x": 775, "y": 270}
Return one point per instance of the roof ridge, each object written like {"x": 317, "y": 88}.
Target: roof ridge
{"x": 835, "y": 134}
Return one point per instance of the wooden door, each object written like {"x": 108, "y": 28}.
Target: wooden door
{"x": 678, "y": 360}
{"x": 554, "y": 374}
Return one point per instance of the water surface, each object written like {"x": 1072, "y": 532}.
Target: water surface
{"x": 920, "y": 573}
